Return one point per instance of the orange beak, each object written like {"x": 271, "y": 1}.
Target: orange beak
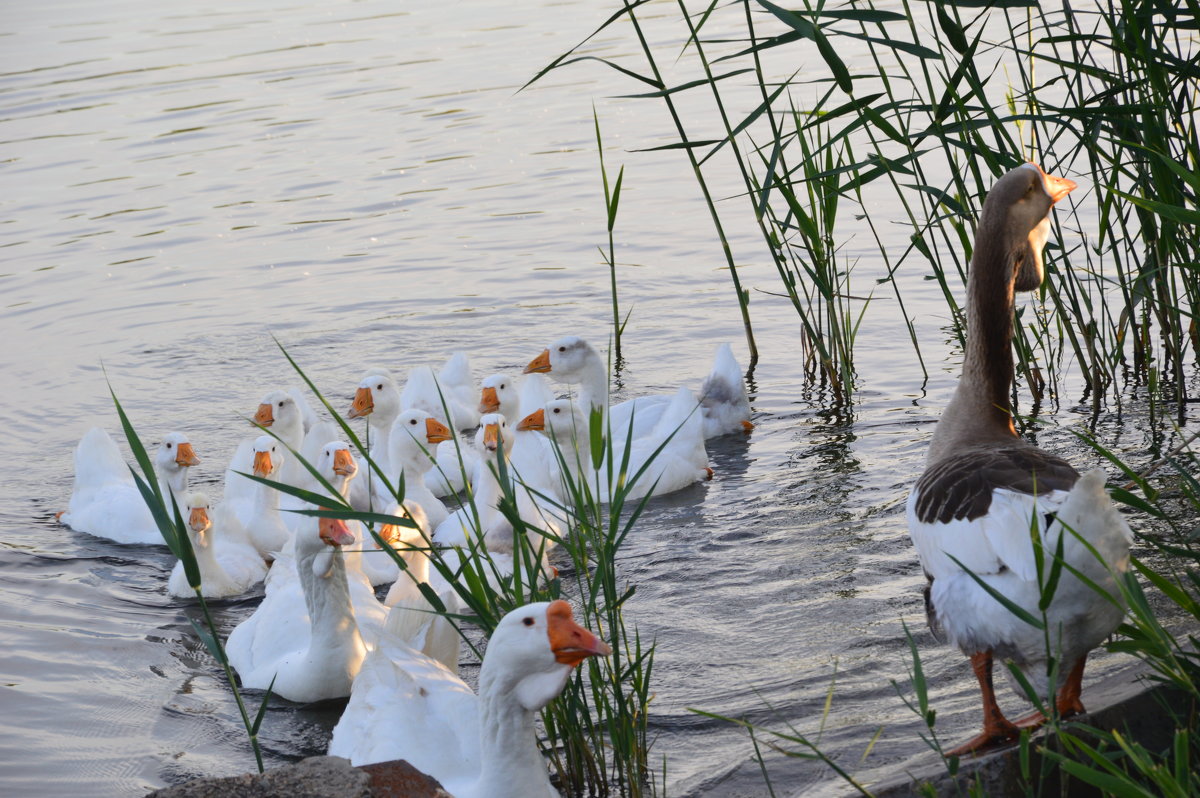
{"x": 491, "y": 437}
{"x": 343, "y": 463}
{"x": 335, "y": 532}
{"x": 489, "y": 402}
{"x": 390, "y": 533}
{"x": 569, "y": 641}
{"x": 1056, "y": 187}
{"x": 198, "y": 519}
{"x": 185, "y": 455}
{"x": 534, "y": 421}
{"x": 262, "y": 464}
{"x": 436, "y": 431}
{"x": 540, "y": 364}
{"x": 264, "y": 417}
{"x": 363, "y": 403}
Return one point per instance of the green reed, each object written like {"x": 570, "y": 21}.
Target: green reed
{"x": 612, "y": 200}
{"x": 951, "y": 96}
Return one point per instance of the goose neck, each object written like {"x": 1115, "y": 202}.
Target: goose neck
{"x": 510, "y": 763}
{"x": 328, "y": 600}
{"x": 980, "y": 410}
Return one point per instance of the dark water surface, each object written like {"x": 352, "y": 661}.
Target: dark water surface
{"x": 363, "y": 181}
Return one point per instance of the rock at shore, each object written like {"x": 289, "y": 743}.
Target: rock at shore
{"x": 316, "y": 777}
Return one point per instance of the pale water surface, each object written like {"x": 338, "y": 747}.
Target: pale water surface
{"x": 363, "y": 181}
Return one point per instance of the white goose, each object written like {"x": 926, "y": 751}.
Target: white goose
{"x": 337, "y": 466}
{"x": 228, "y": 566}
{"x": 312, "y": 656}
{"x": 493, "y": 441}
{"x": 532, "y": 457}
{"x": 984, "y": 488}
{"x": 406, "y": 706}
{"x": 284, "y": 414}
{"x": 378, "y": 400}
{"x": 413, "y": 435}
{"x": 572, "y": 360}
{"x": 106, "y": 503}
{"x": 672, "y": 452}
{"x": 259, "y": 514}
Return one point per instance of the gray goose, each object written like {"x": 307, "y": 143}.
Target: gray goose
{"x": 986, "y": 491}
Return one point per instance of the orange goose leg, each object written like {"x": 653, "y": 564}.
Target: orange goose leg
{"x": 1068, "y": 701}
{"x": 996, "y": 728}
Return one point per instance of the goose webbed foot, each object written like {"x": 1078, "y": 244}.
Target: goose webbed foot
{"x": 997, "y": 730}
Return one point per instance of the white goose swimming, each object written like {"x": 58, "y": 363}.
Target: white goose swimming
{"x": 259, "y": 513}
{"x": 377, "y": 399}
{"x": 985, "y": 488}
{"x": 413, "y": 436}
{"x": 406, "y": 706}
{"x": 106, "y": 503}
{"x": 494, "y": 441}
{"x": 228, "y": 565}
{"x": 572, "y": 360}
{"x": 313, "y": 655}
{"x": 672, "y": 452}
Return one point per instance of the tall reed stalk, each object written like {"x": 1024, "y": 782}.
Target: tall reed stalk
{"x": 612, "y": 199}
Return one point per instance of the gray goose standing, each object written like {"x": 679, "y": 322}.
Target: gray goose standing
{"x": 985, "y": 490}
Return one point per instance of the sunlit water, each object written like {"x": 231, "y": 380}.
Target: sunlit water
{"x": 363, "y": 181}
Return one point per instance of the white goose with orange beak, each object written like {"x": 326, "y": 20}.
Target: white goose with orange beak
{"x": 407, "y": 706}
{"x": 313, "y": 655}
{"x": 106, "y": 503}
{"x": 494, "y": 441}
{"x": 725, "y": 407}
{"x": 228, "y": 566}
{"x": 260, "y": 516}
{"x": 414, "y": 436}
{"x": 338, "y": 467}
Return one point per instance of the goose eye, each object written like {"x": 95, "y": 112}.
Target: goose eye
{"x": 413, "y": 422}
{"x": 168, "y": 446}
{"x": 557, "y": 410}
{"x": 379, "y": 387}
{"x": 527, "y": 621}
{"x": 502, "y": 386}
{"x": 281, "y": 404}
{"x": 562, "y": 349}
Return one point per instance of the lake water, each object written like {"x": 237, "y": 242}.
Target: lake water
{"x": 363, "y": 181}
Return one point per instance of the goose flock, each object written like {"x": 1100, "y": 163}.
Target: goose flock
{"x": 985, "y": 502}
{"x": 321, "y": 632}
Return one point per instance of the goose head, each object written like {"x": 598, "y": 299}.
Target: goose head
{"x": 560, "y": 419}
{"x": 376, "y": 395}
{"x": 317, "y": 540}
{"x": 533, "y": 650}
{"x": 498, "y": 395}
{"x": 198, "y": 521}
{"x": 1018, "y": 208}
{"x": 493, "y": 436}
{"x": 268, "y": 456}
{"x": 567, "y": 359}
{"x": 279, "y": 409}
{"x": 414, "y": 434}
{"x": 335, "y": 463}
{"x": 175, "y": 453}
